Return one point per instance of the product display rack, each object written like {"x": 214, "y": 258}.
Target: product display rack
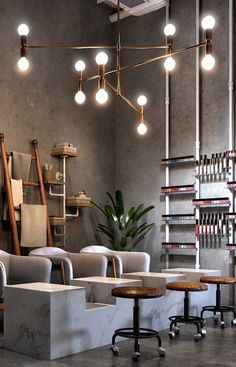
{"x": 178, "y": 219}
{"x": 180, "y": 189}
{"x": 215, "y": 225}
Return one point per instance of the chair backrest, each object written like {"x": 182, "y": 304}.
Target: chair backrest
{"x": 86, "y": 265}
{"x": 96, "y": 249}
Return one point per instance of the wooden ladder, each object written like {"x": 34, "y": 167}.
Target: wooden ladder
{"x": 40, "y": 184}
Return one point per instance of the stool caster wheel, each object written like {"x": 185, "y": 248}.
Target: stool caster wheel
{"x": 115, "y": 350}
{"x": 222, "y": 324}
{"x": 197, "y": 337}
{"x": 136, "y": 356}
{"x": 171, "y": 335}
{"x": 161, "y": 351}
{"x": 215, "y": 320}
{"x": 233, "y": 322}
{"x": 203, "y": 332}
{"x": 175, "y": 330}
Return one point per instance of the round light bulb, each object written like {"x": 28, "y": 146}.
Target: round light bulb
{"x": 80, "y": 65}
{"x": 101, "y": 96}
{"x": 208, "y": 62}
{"x": 169, "y": 30}
{"x": 23, "y": 30}
{"x": 142, "y": 100}
{"x": 169, "y": 63}
{"x": 80, "y": 97}
{"x": 208, "y": 22}
{"x": 101, "y": 58}
{"x": 23, "y": 64}
{"x": 142, "y": 128}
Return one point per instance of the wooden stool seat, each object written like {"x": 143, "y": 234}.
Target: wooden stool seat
{"x": 186, "y": 286}
{"x": 136, "y": 292}
{"x": 136, "y": 332}
{"x": 218, "y": 280}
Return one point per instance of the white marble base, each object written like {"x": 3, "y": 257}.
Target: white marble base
{"x": 155, "y": 279}
{"x": 51, "y": 321}
{"x": 98, "y": 289}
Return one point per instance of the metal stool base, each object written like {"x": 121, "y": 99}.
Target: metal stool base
{"x": 136, "y": 333}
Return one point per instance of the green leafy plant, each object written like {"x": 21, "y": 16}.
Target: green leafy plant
{"x": 123, "y": 229}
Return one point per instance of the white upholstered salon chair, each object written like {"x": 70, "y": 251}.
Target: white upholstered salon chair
{"x": 73, "y": 265}
{"x": 22, "y": 269}
{"x": 123, "y": 261}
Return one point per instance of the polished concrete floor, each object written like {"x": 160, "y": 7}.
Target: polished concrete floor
{"x": 217, "y": 349}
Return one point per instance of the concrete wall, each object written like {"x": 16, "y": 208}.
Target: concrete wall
{"x": 40, "y": 104}
{"x": 137, "y": 158}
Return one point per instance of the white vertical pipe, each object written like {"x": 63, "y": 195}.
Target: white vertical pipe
{"x": 167, "y": 142}
{"x": 231, "y": 136}
{"x": 64, "y": 197}
{"x": 197, "y": 143}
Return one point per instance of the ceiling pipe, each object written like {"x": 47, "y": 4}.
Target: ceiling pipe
{"x": 139, "y": 10}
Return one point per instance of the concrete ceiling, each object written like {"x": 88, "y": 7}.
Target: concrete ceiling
{"x": 134, "y": 7}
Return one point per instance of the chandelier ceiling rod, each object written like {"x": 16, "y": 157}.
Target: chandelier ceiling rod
{"x": 208, "y": 61}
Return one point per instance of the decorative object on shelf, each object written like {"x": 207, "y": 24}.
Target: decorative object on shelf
{"x": 57, "y": 221}
{"x": 230, "y": 246}
{"x": 123, "y": 229}
{"x": 188, "y": 159}
{"x": 182, "y": 189}
{"x": 231, "y": 153}
{"x": 80, "y": 200}
{"x": 180, "y": 245}
{"x": 214, "y": 168}
{"x": 64, "y": 149}
{"x": 208, "y": 61}
{"x": 231, "y": 185}
{"x": 211, "y": 202}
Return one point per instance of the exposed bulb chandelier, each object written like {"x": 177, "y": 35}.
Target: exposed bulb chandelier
{"x": 207, "y": 62}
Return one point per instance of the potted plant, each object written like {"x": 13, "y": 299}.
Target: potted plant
{"x": 124, "y": 229}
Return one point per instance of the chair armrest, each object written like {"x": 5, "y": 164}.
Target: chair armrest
{"x": 134, "y": 261}
{"x": 3, "y": 279}
{"x": 25, "y": 269}
{"x": 85, "y": 265}
{"x": 58, "y": 261}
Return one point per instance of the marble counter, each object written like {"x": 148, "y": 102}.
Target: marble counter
{"x": 192, "y": 275}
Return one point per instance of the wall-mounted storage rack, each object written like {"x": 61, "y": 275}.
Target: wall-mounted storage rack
{"x": 211, "y": 202}
{"x": 188, "y": 159}
{"x": 180, "y": 189}
{"x": 177, "y": 217}
{"x": 178, "y": 245}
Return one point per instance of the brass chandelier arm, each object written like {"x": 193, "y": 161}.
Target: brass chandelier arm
{"x": 123, "y": 97}
{"x": 148, "y": 61}
{"x": 72, "y": 47}
{"x": 114, "y": 47}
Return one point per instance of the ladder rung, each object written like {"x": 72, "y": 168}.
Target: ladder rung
{"x": 9, "y": 154}
{"x": 30, "y": 183}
